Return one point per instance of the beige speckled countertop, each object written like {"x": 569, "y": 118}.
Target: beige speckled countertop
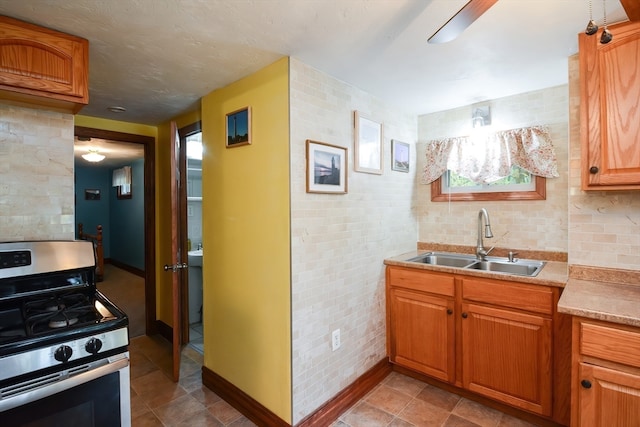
{"x": 603, "y": 294}
{"x": 554, "y": 273}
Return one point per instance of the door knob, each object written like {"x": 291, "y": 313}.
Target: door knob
{"x": 465, "y": 315}
{"x": 449, "y": 311}
{"x": 593, "y": 170}
{"x": 585, "y": 383}
{"x": 175, "y": 267}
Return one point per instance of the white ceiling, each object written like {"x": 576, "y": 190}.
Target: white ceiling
{"x": 157, "y": 58}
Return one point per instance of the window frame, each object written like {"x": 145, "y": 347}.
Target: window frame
{"x": 539, "y": 193}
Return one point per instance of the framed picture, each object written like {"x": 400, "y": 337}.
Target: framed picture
{"x": 368, "y": 145}
{"x": 91, "y": 194}
{"x": 238, "y": 127}
{"x": 399, "y": 156}
{"x": 326, "y": 168}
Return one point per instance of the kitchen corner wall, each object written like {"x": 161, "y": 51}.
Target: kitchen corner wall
{"x": 526, "y": 225}
{"x": 36, "y": 170}
{"x": 604, "y": 226}
{"x": 338, "y": 241}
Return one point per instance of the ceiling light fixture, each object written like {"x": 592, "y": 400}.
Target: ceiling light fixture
{"x": 93, "y": 156}
{"x": 116, "y": 109}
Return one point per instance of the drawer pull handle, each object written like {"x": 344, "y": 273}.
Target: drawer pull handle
{"x": 449, "y": 311}
{"x": 585, "y": 383}
{"x": 465, "y": 315}
{"x": 593, "y": 170}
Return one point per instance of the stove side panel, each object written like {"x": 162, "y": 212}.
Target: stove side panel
{"x": 36, "y": 174}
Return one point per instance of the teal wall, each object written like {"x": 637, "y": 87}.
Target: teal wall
{"x": 92, "y": 213}
{"x": 122, "y": 220}
{"x": 127, "y": 220}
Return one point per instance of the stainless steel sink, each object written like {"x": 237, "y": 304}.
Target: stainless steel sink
{"x": 444, "y": 259}
{"x": 520, "y": 268}
{"x": 528, "y": 268}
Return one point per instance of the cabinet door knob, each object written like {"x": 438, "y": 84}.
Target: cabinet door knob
{"x": 585, "y": 383}
{"x": 449, "y": 311}
{"x": 465, "y": 315}
{"x": 593, "y": 170}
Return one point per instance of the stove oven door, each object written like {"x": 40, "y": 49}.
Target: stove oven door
{"x": 97, "y": 397}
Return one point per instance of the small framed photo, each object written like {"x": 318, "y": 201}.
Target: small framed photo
{"x": 367, "y": 145}
{"x": 238, "y": 127}
{"x": 399, "y": 156}
{"x": 91, "y": 194}
{"x": 326, "y": 168}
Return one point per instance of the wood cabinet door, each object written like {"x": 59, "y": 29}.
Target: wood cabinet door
{"x": 607, "y": 397}
{"x": 422, "y": 333}
{"x": 610, "y": 118}
{"x": 506, "y": 355}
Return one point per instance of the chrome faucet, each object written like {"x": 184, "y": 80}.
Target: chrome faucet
{"x": 481, "y": 253}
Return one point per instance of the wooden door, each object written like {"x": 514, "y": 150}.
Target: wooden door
{"x": 507, "y": 356}
{"x": 178, "y": 267}
{"x": 422, "y": 333}
{"x": 608, "y": 397}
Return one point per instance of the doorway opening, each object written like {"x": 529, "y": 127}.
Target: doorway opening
{"x": 139, "y": 265}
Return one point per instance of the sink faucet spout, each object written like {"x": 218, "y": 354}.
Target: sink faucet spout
{"x": 481, "y": 253}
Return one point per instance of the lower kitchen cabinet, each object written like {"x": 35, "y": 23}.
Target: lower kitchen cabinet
{"x": 421, "y": 322}
{"x": 507, "y": 356}
{"x": 492, "y": 337}
{"x": 605, "y": 375}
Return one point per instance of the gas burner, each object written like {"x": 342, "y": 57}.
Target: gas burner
{"x": 62, "y": 322}
{"x": 59, "y": 311}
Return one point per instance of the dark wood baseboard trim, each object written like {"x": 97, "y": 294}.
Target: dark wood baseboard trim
{"x": 237, "y": 398}
{"x": 328, "y": 413}
{"x": 322, "y": 417}
{"x": 130, "y": 269}
{"x": 164, "y": 330}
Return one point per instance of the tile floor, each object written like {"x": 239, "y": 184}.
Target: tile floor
{"x": 398, "y": 401}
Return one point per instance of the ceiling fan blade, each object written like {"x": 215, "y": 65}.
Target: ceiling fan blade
{"x": 460, "y": 21}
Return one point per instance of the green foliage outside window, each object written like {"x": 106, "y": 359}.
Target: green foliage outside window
{"x": 518, "y": 176}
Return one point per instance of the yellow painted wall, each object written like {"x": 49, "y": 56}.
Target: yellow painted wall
{"x": 246, "y": 235}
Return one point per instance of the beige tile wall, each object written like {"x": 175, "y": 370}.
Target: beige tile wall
{"x": 36, "y": 174}
{"x": 604, "y": 226}
{"x": 339, "y": 241}
{"x": 533, "y": 225}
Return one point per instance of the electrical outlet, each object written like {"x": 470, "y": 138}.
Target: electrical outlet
{"x": 335, "y": 340}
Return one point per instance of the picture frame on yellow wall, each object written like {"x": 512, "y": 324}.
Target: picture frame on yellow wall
{"x": 238, "y": 127}
{"x": 326, "y": 168}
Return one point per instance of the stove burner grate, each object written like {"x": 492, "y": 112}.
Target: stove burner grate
{"x": 51, "y": 312}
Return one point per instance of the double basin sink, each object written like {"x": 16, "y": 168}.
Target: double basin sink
{"x": 518, "y": 267}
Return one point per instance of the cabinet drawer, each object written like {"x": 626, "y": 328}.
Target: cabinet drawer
{"x": 610, "y": 343}
{"x": 538, "y": 299}
{"x": 421, "y": 280}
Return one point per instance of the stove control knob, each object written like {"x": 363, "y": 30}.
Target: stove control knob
{"x": 93, "y": 346}
{"x": 63, "y": 353}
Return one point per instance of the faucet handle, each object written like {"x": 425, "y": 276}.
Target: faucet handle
{"x": 512, "y": 255}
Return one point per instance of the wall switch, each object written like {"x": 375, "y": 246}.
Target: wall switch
{"x": 335, "y": 340}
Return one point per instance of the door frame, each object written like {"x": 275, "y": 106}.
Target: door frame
{"x": 149, "y": 143}
{"x": 183, "y": 133}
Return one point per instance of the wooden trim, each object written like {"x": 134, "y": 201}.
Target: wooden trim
{"x": 237, "y": 398}
{"x": 164, "y": 330}
{"x": 632, "y": 9}
{"x": 540, "y": 193}
{"x": 126, "y": 267}
{"x": 324, "y": 416}
{"x": 149, "y": 143}
{"x": 328, "y": 413}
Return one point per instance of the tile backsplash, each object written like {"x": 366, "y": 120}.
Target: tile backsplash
{"x": 36, "y": 170}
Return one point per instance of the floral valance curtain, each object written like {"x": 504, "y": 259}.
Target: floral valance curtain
{"x": 487, "y": 158}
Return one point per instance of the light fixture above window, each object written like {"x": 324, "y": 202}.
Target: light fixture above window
{"x": 93, "y": 156}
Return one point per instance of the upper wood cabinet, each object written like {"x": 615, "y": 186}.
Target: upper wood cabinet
{"x": 43, "y": 67}
{"x": 609, "y": 113}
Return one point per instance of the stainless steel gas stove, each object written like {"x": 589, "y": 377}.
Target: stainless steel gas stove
{"x": 63, "y": 345}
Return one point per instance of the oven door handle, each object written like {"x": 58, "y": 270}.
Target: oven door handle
{"x": 37, "y": 391}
